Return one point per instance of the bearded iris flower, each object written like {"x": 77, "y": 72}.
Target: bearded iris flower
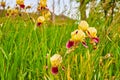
{"x": 92, "y": 34}
{"x": 15, "y": 11}
{"x": 76, "y": 37}
{"x": 8, "y": 12}
{"x": 44, "y": 12}
{"x": 80, "y": 34}
{"x": 11, "y": 12}
{"x": 40, "y": 20}
{"x": 90, "y": 31}
{"x": 43, "y": 4}
{"x": 55, "y": 60}
{"x": 20, "y": 3}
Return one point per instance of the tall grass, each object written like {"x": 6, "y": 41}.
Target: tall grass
{"x": 25, "y": 53}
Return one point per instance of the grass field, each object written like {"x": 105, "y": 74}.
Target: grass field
{"x": 25, "y": 53}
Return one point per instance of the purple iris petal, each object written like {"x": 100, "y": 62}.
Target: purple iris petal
{"x": 39, "y": 24}
{"x": 84, "y": 44}
{"x": 54, "y": 70}
{"x": 69, "y": 44}
{"x": 88, "y": 33}
{"x": 22, "y": 6}
{"x": 96, "y": 40}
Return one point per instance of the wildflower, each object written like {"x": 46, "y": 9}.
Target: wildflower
{"x": 3, "y": 4}
{"x": 43, "y": 4}
{"x": 40, "y": 20}
{"x": 15, "y": 12}
{"x": 55, "y": 60}
{"x": 92, "y": 33}
{"x": 9, "y": 12}
{"x": 77, "y": 35}
{"x": 20, "y": 3}
{"x": 83, "y": 25}
{"x": 47, "y": 15}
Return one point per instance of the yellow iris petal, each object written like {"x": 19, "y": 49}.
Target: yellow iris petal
{"x": 56, "y": 60}
{"x": 78, "y": 35}
{"x": 92, "y": 31}
{"x": 43, "y": 3}
{"x": 19, "y": 2}
{"x": 41, "y": 19}
{"x": 83, "y": 25}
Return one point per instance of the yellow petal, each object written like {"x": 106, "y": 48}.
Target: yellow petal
{"x": 92, "y": 32}
{"x": 47, "y": 15}
{"x": 56, "y": 60}
{"x": 83, "y": 25}
{"x": 19, "y": 2}
{"x": 43, "y": 3}
{"x": 77, "y": 35}
{"x": 41, "y": 19}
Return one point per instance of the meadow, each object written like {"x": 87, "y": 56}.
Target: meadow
{"x": 25, "y": 52}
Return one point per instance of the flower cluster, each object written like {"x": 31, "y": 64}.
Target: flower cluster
{"x": 11, "y": 12}
{"x": 45, "y": 13}
{"x": 42, "y": 5}
{"x": 80, "y": 34}
{"x": 20, "y": 3}
{"x": 55, "y": 60}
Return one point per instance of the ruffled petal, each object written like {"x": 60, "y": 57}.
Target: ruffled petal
{"x": 39, "y": 24}
{"x": 96, "y": 40}
{"x": 54, "y": 70}
{"x": 22, "y": 6}
{"x": 69, "y": 44}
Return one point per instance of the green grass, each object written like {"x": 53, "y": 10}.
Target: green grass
{"x": 23, "y": 51}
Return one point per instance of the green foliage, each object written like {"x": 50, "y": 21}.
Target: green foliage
{"x": 86, "y": 1}
{"x": 23, "y": 51}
